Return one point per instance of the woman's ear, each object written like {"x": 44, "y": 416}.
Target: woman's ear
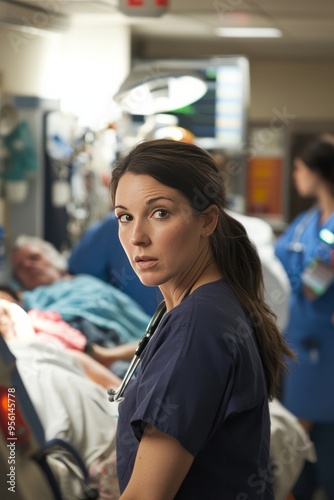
{"x": 210, "y": 220}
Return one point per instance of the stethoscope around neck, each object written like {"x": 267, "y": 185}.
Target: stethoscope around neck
{"x": 117, "y": 395}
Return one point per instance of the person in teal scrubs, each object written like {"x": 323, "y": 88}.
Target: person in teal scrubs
{"x": 306, "y": 250}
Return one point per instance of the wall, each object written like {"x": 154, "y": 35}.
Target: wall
{"x": 305, "y": 89}
{"x": 83, "y": 66}
{"x": 29, "y": 64}
{"x": 95, "y": 60}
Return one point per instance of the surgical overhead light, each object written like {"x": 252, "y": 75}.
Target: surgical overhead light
{"x": 151, "y": 89}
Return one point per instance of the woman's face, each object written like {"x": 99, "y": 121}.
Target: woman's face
{"x": 306, "y": 181}
{"x": 161, "y": 235}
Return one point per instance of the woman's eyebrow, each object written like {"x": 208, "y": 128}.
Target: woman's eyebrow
{"x": 148, "y": 202}
{"x": 158, "y": 198}
{"x": 120, "y": 206}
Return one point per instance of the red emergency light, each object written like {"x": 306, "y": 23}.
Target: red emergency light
{"x": 143, "y": 8}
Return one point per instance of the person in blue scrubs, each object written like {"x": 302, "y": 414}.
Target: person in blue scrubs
{"x": 100, "y": 254}
{"x": 306, "y": 250}
{"x": 194, "y": 422}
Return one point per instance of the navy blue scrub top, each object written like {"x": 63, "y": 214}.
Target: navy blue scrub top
{"x": 201, "y": 381}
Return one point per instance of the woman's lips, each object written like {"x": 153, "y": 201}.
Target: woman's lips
{"x": 145, "y": 262}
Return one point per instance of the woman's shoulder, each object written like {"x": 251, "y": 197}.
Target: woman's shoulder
{"x": 209, "y": 321}
{"x": 215, "y": 295}
{"x": 212, "y": 304}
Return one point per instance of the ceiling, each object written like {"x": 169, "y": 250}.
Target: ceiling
{"x": 187, "y": 29}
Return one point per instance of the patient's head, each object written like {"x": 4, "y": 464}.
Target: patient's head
{"x": 36, "y": 262}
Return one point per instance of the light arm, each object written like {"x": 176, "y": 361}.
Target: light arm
{"x": 160, "y": 467}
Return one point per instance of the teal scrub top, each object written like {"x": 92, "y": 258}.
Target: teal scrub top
{"x": 308, "y": 388}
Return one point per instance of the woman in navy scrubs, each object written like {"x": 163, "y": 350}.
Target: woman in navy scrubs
{"x": 194, "y": 423}
{"x": 306, "y": 250}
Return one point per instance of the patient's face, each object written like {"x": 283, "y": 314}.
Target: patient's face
{"x": 32, "y": 268}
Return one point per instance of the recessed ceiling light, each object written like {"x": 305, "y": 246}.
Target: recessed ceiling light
{"x": 249, "y": 32}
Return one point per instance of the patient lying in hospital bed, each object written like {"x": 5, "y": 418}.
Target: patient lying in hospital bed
{"x": 49, "y": 327}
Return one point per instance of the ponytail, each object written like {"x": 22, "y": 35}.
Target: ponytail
{"x": 240, "y": 265}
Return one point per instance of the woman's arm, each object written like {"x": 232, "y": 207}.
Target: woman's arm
{"x": 160, "y": 467}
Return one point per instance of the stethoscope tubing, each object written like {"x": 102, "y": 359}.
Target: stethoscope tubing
{"x": 118, "y": 395}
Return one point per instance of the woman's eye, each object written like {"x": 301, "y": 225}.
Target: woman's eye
{"x": 124, "y": 218}
{"x": 160, "y": 214}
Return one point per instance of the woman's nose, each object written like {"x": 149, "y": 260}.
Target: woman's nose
{"x": 139, "y": 236}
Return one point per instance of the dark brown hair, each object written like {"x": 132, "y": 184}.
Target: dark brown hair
{"x": 193, "y": 172}
{"x": 318, "y": 156}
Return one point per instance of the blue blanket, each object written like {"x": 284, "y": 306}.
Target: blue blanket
{"x": 87, "y": 297}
